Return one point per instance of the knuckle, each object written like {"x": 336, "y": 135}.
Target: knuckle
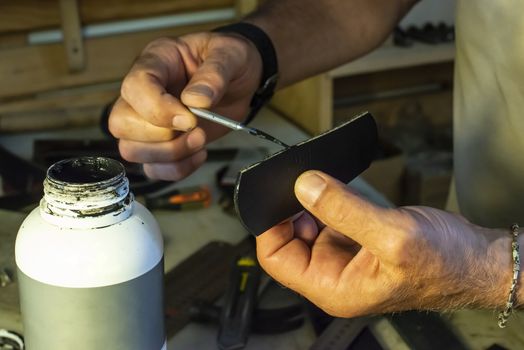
{"x": 161, "y": 171}
{"x": 157, "y": 116}
{"x": 407, "y": 248}
{"x": 239, "y": 49}
{"x": 132, "y": 84}
{"x": 114, "y": 125}
{"x": 215, "y": 73}
{"x": 236, "y": 46}
{"x": 175, "y": 151}
{"x": 178, "y": 41}
{"x": 178, "y": 172}
{"x": 127, "y": 152}
{"x": 403, "y": 250}
{"x": 129, "y": 83}
{"x": 265, "y": 262}
{"x": 150, "y": 171}
{"x": 218, "y": 67}
{"x": 160, "y": 135}
{"x": 159, "y": 42}
{"x": 337, "y": 212}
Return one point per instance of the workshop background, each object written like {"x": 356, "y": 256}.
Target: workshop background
{"x": 61, "y": 65}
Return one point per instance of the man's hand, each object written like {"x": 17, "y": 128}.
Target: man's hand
{"x": 362, "y": 259}
{"x": 206, "y": 70}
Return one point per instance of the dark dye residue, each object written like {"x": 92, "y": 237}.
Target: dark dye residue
{"x": 266, "y": 136}
{"x": 85, "y": 170}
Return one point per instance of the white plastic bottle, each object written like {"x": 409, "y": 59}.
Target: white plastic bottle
{"x": 90, "y": 263}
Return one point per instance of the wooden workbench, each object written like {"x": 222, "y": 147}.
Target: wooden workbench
{"x": 186, "y": 232}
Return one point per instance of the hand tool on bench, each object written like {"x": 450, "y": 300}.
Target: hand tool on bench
{"x": 240, "y": 300}
{"x": 194, "y": 197}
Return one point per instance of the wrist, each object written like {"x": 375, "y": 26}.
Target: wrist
{"x": 519, "y": 298}
{"x": 500, "y": 269}
{"x": 267, "y": 54}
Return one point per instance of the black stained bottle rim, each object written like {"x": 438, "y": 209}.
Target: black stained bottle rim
{"x": 86, "y": 171}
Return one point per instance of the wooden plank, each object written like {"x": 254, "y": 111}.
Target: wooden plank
{"x": 392, "y": 57}
{"x": 393, "y": 95}
{"x": 31, "y": 15}
{"x": 91, "y": 95}
{"x": 62, "y": 118}
{"x": 27, "y": 15}
{"x": 434, "y": 109}
{"x": 32, "y": 69}
{"x": 74, "y": 45}
{"x": 94, "y": 11}
{"x": 9, "y": 41}
{"x": 370, "y": 83}
{"x": 67, "y": 108}
{"x": 244, "y": 7}
{"x": 308, "y": 103}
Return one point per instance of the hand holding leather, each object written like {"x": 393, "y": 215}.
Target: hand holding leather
{"x": 362, "y": 259}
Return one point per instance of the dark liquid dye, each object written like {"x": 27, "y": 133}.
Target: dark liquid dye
{"x": 85, "y": 170}
{"x": 268, "y": 137}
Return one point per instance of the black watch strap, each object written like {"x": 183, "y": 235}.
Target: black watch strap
{"x": 267, "y": 52}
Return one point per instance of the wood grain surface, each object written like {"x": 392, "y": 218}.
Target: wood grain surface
{"x": 33, "y": 69}
{"x": 31, "y": 15}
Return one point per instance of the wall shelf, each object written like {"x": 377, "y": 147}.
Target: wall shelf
{"x": 393, "y": 57}
{"x": 309, "y": 103}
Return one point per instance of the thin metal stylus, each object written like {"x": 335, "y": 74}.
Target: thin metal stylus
{"x": 234, "y": 125}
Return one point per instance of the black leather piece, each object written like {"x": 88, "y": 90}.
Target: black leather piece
{"x": 264, "y": 192}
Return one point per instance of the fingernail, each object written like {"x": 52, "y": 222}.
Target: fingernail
{"x": 196, "y": 139}
{"x": 309, "y": 187}
{"x": 201, "y": 90}
{"x": 182, "y": 122}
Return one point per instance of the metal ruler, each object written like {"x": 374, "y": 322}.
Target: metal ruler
{"x": 419, "y": 331}
{"x": 340, "y": 333}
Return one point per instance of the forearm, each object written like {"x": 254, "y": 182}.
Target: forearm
{"x": 312, "y": 36}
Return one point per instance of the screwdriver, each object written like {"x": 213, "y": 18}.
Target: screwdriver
{"x": 234, "y": 125}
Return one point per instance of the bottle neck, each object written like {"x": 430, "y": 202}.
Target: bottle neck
{"x": 87, "y": 192}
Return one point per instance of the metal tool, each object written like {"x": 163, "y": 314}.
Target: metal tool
{"x": 194, "y": 197}
{"x": 239, "y": 305}
{"x": 264, "y": 320}
{"x": 234, "y": 125}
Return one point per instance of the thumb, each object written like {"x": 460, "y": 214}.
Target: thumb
{"x": 342, "y": 210}
{"x": 211, "y": 80}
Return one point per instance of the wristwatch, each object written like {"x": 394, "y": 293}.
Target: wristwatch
{"x": 268, "y": 54}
